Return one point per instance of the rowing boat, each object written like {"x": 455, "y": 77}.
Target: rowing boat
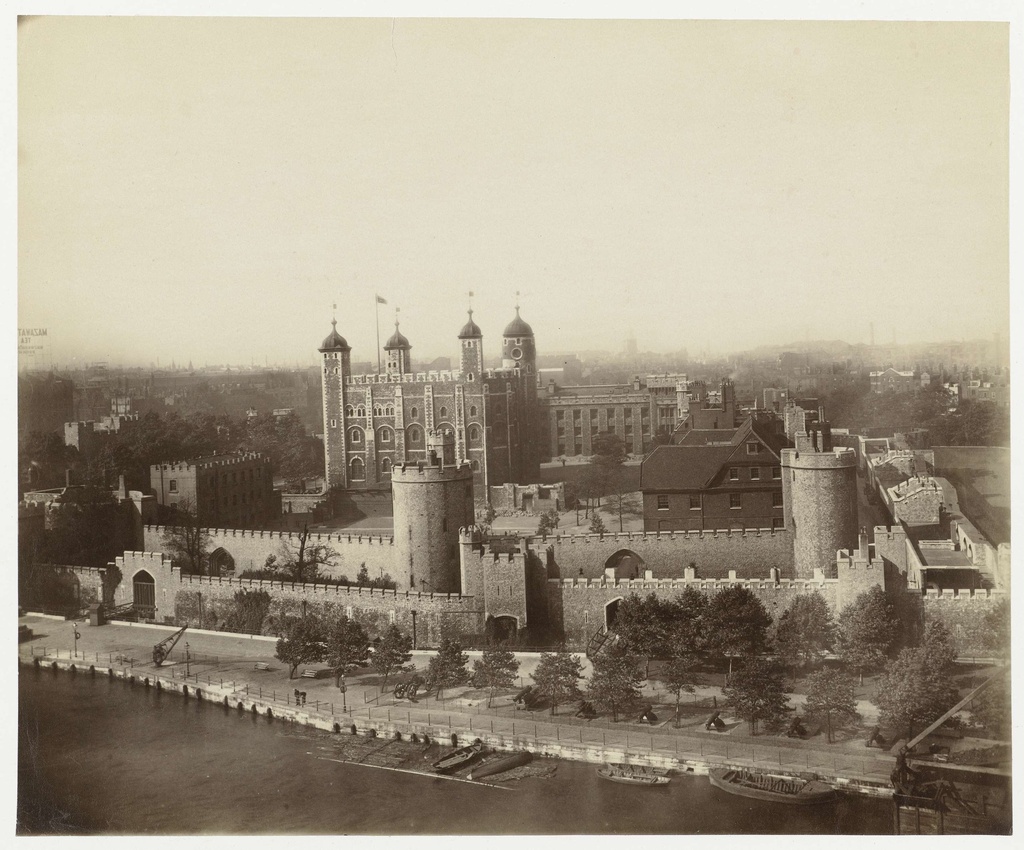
{"x": 776, "y": 789}
{"x": 458, "y": 758}
{"x": 500, "y": 765}
{"x": 631, "y": 777}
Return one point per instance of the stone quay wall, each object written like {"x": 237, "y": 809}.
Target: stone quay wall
{"x": 750, "y": 552}
{"x": 250, "y": 549}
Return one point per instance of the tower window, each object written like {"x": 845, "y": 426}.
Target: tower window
{"x": 469, "y": 376}
{"x": 172, "y": 486}
{"x": 472, "y": 410}
{"x": 444, "y": 413}
{"x": 384, "y": 435}
{"x": 349, "y": 411}
{"x": 334, "y": 423}
{"x": 360, "y": 411}
{"x": 474, "y": 434}
{"x": 415, "y": 436}
{"x": 475, "y": 465}
{"x": 414, "y": 413}
{"x": 355, "y": 436}
{"x": 358, "y": 470}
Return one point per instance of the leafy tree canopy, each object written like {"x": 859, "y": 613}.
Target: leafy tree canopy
{"x": 304, "y": 642}
{"x": 805, "y": 630}
{"x": 615, "y": 682}
{"x": 830, "y": 697}
{"x": 757, "y": 694}
{"x": 557, "y": 677}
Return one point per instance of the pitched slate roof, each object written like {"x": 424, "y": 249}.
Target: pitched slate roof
{"x": 682, "y": 467}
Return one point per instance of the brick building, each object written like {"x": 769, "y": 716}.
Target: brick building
{"x": 716, "y": 479}
{"x": 893, "y": 380}
{"x": 226, "y": 491}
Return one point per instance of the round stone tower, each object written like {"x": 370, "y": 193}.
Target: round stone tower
{"x": 819, "y": 497}
{"x": 432, "y": 501}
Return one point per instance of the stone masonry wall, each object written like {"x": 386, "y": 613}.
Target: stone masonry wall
{"x": 251, "y": 548}
{"x": 750, "y": 553}
{"x": 576, "y": 607}
{"x": 963, "y": 614}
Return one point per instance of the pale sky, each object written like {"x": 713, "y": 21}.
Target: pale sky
{"x": 204, "y": 189}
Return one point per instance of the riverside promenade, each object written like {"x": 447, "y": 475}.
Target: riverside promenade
{"x": 228, "y": 669}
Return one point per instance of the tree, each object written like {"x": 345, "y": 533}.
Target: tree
{"x": 830, "y": 697}
{"x": 737, "y": 623}
{"x": 185, "y": 541}
{"x": 688, "y": 620}
{"x": 496, "y": 669}
{"x": 302, "y": 560}
{"x": 302, "y": 643}
{"x": 248, "y": 612}
{"x": 557, "y": 677}
{"x": 757, "y": 694}
{"x": 997, "y": 629}
{"x": 680, "y": 676}
{"x": 608, "y": 449}
{"x": 615, "y": 682}
{"x": 625, "y": 505}
{"x": 868, "y": 629}
{"x": 347, "y": 646}
{"x": 392, "y": 653}
{"x": 548, "y": 523}
{"x": 643, "y": 625}
{"x": 448, "y": 667}
{"x": 805, "y": 629}
{"x": 597, "y": 524}
{"x": 916, "y": 688}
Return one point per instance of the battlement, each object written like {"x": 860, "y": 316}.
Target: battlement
{"x": 212, "y": 461}
{"x": 913, "y": 486}
{"x": 286, "y": 536}
{"x": 965, "y": 595}
{"x": 421, "y": 471}
{"x": 433, "y": 377}
{"x": 886, "y": 534}
{"x": 838, "y": 458}
{"x": 335, "y": 590}
{"x": 653, "y": 536}
{"x": 704, "y": 584}
{"x": 158, "y": 559}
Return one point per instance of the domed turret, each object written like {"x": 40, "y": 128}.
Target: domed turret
{"x": 517, "y": 327}
{"x": 470, "y": 330}
{"x": 397, "y": 341}
{"x": 334, "y": 341}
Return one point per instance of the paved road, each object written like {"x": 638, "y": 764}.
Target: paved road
{"x": 229, "y": 661}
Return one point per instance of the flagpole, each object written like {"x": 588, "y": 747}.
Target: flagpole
{"x": 376, "y": 314}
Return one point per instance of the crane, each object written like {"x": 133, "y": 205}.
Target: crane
{"x": 163, "y": 649}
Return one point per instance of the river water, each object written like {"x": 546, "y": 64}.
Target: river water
{"x": 101, "y": 756}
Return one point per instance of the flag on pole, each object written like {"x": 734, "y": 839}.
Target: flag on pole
{"x": 381, "y": 300}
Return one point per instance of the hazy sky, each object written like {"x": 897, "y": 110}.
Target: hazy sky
{"x": 205, "y": 189}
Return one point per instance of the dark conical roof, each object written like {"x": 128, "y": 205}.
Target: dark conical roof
{"x": 517, "y": 327}
{"x": 397, "y": 341}
{"x": 470, "y": 330}
{"x": 334, "y": 341}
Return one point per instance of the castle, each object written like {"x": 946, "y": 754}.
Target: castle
{"x": 372, "y": 423}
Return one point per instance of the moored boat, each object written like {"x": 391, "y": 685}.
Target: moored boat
{"x": 458, "y": 758}
{"x": 500, "y": 765}
{"x": 631, "y": 777}
{"x": 776, "y": 789}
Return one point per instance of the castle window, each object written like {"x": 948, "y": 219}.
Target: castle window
{"x": 360, "y": 411}
{"x": 355, "y": 436}
{"x": 776, "y": 472}
{"x": 415, "y": 436}
{"x": 444, "y": 413}
{"x": 777, "y": 499}
{"x": 358, "y": 471}
{"x": 413, "y": 413}
{"x": 472, "y": 410}
{"x": 389, "y": 410}
{"x": 385, "y": 466}
{"x": 378, "y": 410}
{"x": 349, "y": 410}
{"x": 662, "y": 503}
{"x": 735, "y": 501}
{"x": 475, "y": 465}
{"x": 474, "y": 434}
{"x": 172, "y": 486}
{"x": 334, "y": 423}
{"x": 755, "y": 473}
{"x": 384, "y": 436}
{"x": 469, "y": 377}
{"x": 695, "y": 502}
{"x": 734, "y": 473}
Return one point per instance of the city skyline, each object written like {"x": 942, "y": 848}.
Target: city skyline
{"x": 224, "y": 197}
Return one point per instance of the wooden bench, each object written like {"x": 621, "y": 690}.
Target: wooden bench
{"x": 310, "y": 674}
{"x": 261, "y": 665}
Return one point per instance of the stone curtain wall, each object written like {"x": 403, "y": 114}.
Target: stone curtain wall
{"x": 576, "y": 607}
{"x": 963, "y": 613}
{"x": 251, "y": 548}
{"x": 750, "y": 553}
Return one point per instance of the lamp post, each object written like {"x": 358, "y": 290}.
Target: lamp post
{"x": 186, "y": 660}
{"x": 413, "y": 628}
{"x": 77, "y": 636}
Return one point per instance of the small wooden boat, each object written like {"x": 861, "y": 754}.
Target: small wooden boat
{"x": 776, "y": 789}
{"x": 639, "y": 769}
{"x": 500, "y": 765}
{"x": 631, "y": 777}
{"x": 458, "y": 758}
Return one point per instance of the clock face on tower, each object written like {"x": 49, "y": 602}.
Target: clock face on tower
{"x": 517, "y": 354}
